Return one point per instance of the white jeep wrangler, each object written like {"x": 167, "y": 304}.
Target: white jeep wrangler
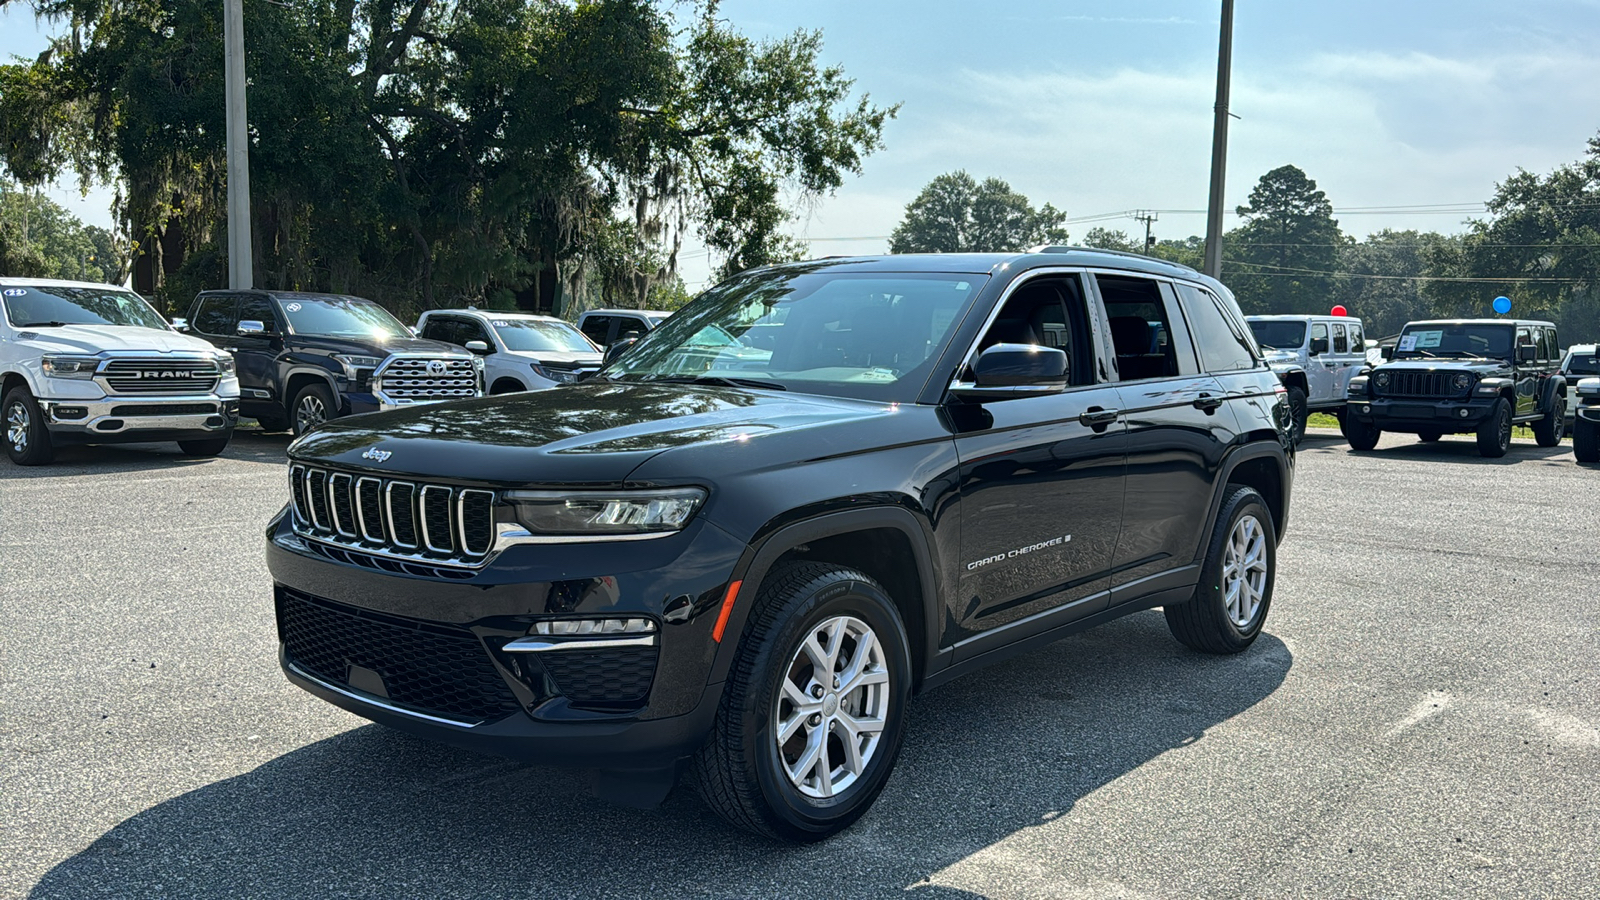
{"x": 84, "y": 363}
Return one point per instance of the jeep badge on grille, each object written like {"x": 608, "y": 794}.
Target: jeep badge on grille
{"x": 376, "y": 455}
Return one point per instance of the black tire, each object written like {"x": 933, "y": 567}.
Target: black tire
{"x": 1547, "y": 431}
{"x": 307, "y": 401}
{"x": 1494, "y": 435}
{"x": 1361, "y": 435}
{"x": 273, "y": 423}
{"x": 22, "y": 426}
{"x": 739, "y": 770}
{"x": 1205, "y": 622}
{"x": 1298, "y": 412}
{"x": 1586, "y": 441}
{"x": 507, "y": 386}
{"x": 1429, "y": 437}
{"x": 208, "y": 447}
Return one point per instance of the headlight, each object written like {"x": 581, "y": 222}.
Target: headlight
{"x": 70, "y": 366}
{"x": 1358, "y": 386}
{"x": 1589, "y": 387}
{"x": 226, "y": 365}
{"x": 619, "y": 513}
{"x": 559, "y": 376}
{"x": 1461, "y": 381}
{"x": 1382, "y": 379}
{"x": 352, "y": 363}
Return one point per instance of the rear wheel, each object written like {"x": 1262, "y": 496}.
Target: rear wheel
{"x": 1586, "y": 441}
{"x": 1494, "y": 435}
{"x": 1429, "y": 437}
{"x": 27, "y": 438}
{"x": 813, "y": 713}
{"x": 210, "y": 447}
{"x": 1547, "y": 431}
{"x": 1361, "y": 435}
{"x": 1230, "y": 603}
{"x": 1297, "y": 414}
{"x": 313, "y": 405}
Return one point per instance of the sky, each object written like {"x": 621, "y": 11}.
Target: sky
{"x": 1103, "y": 108}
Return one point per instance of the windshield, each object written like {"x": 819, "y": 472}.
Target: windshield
{"x": 42, "y": 307}
{"x": 1455, "y": 339}
{"x": 848, "y": 334}
{"x": 536, "y": 335}
{"x": 1583, "y": 361}
{"x": 340, "y": 316}
{"x": 1279, "y": 335}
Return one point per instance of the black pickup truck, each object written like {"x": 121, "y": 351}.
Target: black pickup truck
{"x": 305, "y": 358}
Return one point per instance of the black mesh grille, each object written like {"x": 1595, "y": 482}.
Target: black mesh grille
{"x": 437, "y": 669}
{"x": 436, "y": 518}
{"x": 477, "y": 517}
{"x": 164, "y": 409}
{"x": 1422, "y": 384}
{"x": 402, "y": 518}
{"x": 620, "y": 675}
{"x": 344, "y": 513}
{"x": 317, "y": 494}
{"x": 369, "y": 500}
{"x": 431, "y": 522}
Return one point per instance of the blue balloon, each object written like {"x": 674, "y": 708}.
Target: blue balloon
{"x": 1502, "y": 305}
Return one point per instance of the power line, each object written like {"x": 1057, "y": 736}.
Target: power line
{"x": 1291, "y": 272}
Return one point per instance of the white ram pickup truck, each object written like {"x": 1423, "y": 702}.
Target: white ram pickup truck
{"x": 84, "y": 363}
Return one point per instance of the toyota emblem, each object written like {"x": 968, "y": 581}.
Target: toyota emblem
{"x": 436, "y": 367}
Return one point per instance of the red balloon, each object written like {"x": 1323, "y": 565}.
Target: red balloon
{"x": 1339, "y": 311}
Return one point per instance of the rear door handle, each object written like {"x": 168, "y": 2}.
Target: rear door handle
{"x": 1098, "y": 418}
{"x": 1207, "y": 403}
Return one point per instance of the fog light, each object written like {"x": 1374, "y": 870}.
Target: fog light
{"x": 69, "y": 412}
{"x": 581, "y": 627}
{"x": 1366, "y": 409}
{"x": 1463, "y": 412}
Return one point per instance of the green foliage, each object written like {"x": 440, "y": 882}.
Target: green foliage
{"x": 40, "y": 239}
{"x": 1191, "y": 251}
{"x": 956, "y": 214}
{"x": 1282, "y": 259}
{"x": 1106, "y": 239}
{"x": 1384, "y": 284}
{"x": 428, "y": 152}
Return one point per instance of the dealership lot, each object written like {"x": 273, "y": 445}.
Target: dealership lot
{"x": 1421, "y": 718}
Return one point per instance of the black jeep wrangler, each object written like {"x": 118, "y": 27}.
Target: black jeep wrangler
{"x": 749, "y": 562}
{"x": 1463, "y": 376}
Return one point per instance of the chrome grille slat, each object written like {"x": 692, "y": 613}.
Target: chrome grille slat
{"x": 408, "y": 378}
{"x": 134, "y": 376}
{"x": 431, "y": 523}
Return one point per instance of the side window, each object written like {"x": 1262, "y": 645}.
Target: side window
{"x": 437, "y": 328}
{"x": 594, "y": 328}
{"x": 1524, "y": 339}
{"x": 215, "y": 316}
{"x": 1222, "y": 347}
{"x": 1547, "y": 344}
{"x": 1047, "y": 311}
{"x": 1357, "y": 344}
{"x": 472, "y": 330}
{"x": 630, "y": 326}
{"x": 1141, "y": 329}
{"x": 1319, "y": 331}
{"x": 1340, "y": 345}
{"x": 260, "y": 310}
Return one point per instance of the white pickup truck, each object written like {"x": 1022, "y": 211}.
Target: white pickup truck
{"x": 84, "y": 363}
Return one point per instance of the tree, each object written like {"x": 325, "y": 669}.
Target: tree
{"x": 1106, "y": 239}
{"x": 956, "y": 214}
{"x": 41, "y": 239}
{"x": 1190, "y": 251}
{"x": 1283, "y": 259}
{"x": 1385, "y": 278}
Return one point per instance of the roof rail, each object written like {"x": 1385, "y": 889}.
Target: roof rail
{"x": 1073, "y": 248}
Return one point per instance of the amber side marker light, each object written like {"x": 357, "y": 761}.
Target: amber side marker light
{"x": 727, "y": 610}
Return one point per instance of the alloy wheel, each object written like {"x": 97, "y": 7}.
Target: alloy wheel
{"x": 833, "y": 707}
{"x": 310, "y": 413}
{"x": 17, "y": 424}
{"x": 1505, "y": 432}
{"x": 1244, "y": 571}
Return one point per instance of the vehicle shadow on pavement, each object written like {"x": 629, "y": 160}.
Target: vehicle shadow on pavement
{"x": 375, "y": 813}
{"x": 1451, "y": 448}
{"x": 109, "y": 459}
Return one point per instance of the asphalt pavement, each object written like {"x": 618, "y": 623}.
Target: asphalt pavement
{"x": 1421, "y": 718}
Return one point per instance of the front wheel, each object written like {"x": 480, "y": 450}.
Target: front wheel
{"x": 813, "y": 713}
{"x": 1586, "y": 441}
{"x": 1430, "y": 436}
{"x": 205, "y": 448}
{"x": 1547, "y": 431}
{"x": 1494, "y": 435}
{"x": 313, "y": 405}
{"x": 1230, "y": 603}
{"x": 27, "y": 438}
{"x": 1361, "y": 435}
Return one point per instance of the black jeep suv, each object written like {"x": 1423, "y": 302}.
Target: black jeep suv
{"x": 750, "y": 562}
{"x": 306, "y": 358}
{"x": 1463, "y": 376}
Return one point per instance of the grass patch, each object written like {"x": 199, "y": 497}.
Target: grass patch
{"x": 1321, "y": 420}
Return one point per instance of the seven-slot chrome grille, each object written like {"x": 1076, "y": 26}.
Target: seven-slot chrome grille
{"x": 418, "y": 378}
{"x": 159, "y": 376}
{"x": 1421, "y": 384}
{"x": 393, "y": 516}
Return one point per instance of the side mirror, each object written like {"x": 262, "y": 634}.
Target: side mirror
{"x": 1319, "y": 346}
{"x": 617, "y": 349}
{"x": 479, "y": 347}
{"x": 251, "y": 328}
{"x": 1527, "y": 353}
{"x": 179, "y": 323}
{"x": 1006, "y": 371}
{"x": 1386, "y": 352}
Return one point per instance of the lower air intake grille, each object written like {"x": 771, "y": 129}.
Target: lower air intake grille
{"x": 620, "y": 675}
{"x": 432, "y": 668}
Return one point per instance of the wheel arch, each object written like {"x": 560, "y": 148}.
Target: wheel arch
{"x": 297, "y": 379}
{"x": 13, "y": 379}
{"x": 888, "y": 543}
{"x": 1262, "y": 467}
{"x": 517, "y": 384}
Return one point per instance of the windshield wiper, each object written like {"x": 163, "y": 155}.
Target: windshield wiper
{"x": 718, "y": 379}
{"x": 49, "y": 324}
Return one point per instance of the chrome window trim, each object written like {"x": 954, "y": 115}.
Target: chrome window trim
{"x": 333, "y": 506}
{"x": 388, "y": 511}
{"x": 422, "y": 508}
{"x": 361, "y": 514}
{"x": 461, "y": 521}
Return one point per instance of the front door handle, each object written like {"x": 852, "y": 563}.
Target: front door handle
{"x": 1098, "y": 418}
{"x": 1207, "y": 403}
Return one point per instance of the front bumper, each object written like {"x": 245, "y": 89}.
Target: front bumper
{"x": 111, "y": 419}
{"x": 1421, "y": 413}
{"x": 1588, "y": 413}
{"x": 513, "y": 704}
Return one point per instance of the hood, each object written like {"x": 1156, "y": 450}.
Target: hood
{"x": 376, "y": 346}
{"x": 594, "y": 433}
{"x": 1479, "y": 366}
{"x": 91, "y": 339}
{"x": 560, "y": 358}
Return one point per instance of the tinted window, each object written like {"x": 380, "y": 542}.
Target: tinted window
{"x": 39, "y": 307}
{"x": 1046, "y": 312}
{"x": 215, "y": 316}
{"x": 258, "y": 309}
{"x": 1433, "y": 340}
{"x": 1547, "y": 344}
{"x": 595, "y": 328}
{"x": 1222, "y": 347}
{"x": 1279, "y": 335}
{"x": 1583, "y": 361}
{"x": 1340, "y": 344}
{"x": 534, "y": 335}
{"x": 1141, "y": 329}
{"x": 340, "y": 316}
{"x": 440, "y": 328}
{"x": 630, "y": 326}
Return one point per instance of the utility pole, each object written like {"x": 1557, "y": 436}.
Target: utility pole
{"x": 1148, "y": 218}
{"x": 1219, "y": 145}
{"x": 240, "y": 272}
